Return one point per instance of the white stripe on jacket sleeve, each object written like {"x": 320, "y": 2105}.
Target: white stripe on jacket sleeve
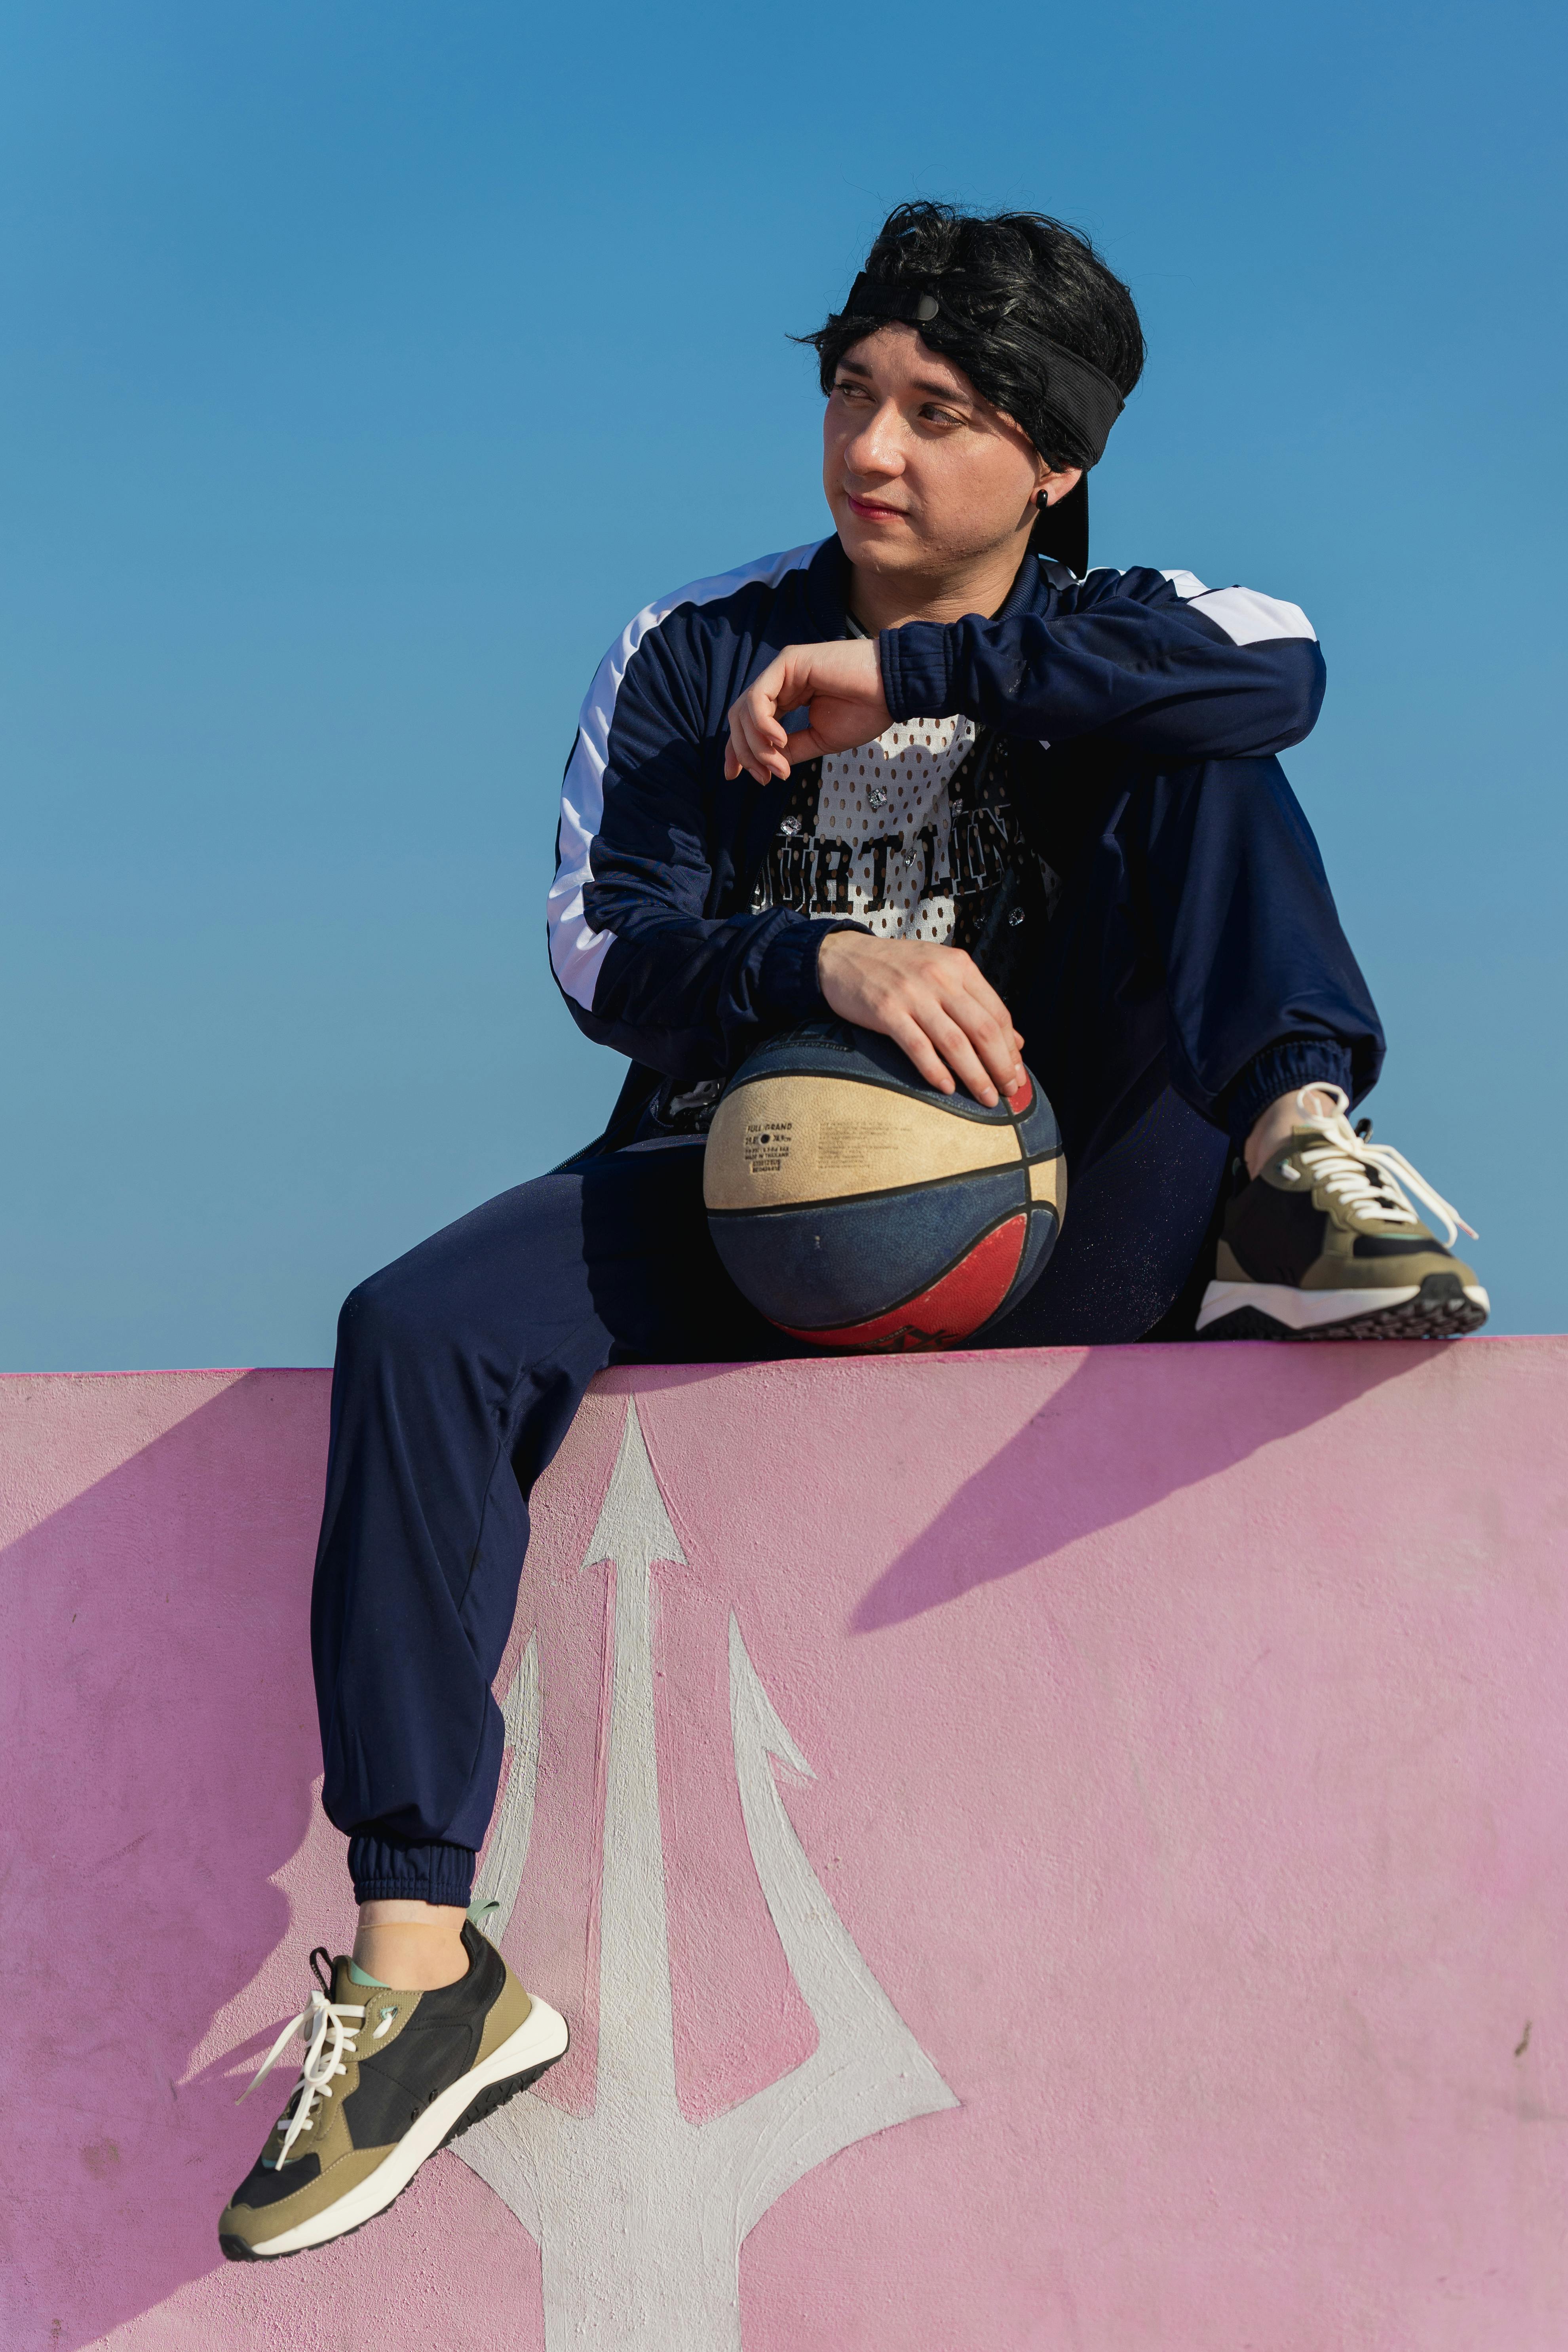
{"x": 576, "y": 950}
{"x": 1246, "y": 616}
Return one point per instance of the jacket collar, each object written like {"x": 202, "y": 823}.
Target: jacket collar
{"x": 1035, "y": 589}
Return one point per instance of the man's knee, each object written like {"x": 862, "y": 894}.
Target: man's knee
{"x": 1202, "y": 827}
{"x": 389, "y": 1315}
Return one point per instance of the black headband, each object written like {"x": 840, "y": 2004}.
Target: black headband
{"x": 1071, "y": 390}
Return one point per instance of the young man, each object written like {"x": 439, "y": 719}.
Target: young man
{"x": 926, "y": 777}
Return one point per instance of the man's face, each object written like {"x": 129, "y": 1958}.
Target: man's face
{"x": 923, "y": 476}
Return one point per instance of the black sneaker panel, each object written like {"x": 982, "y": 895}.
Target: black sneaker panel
{"x": 434, "y": 2050}
{"x": 269, "y": 2184}
{"x": 1275, "y": 1236}
{"x": 395, "y": 2089}
{"x": 474, "y": 1994}
{"x": 1387, "y": 1246}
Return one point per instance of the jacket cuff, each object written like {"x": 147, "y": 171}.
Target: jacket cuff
{"x": 787, "y": 985}
{"x": 917, "y": 665}
{"x": 1285, "y": 1068}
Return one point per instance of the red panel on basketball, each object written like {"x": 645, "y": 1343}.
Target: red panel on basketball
{"x": 966, "y": 1297}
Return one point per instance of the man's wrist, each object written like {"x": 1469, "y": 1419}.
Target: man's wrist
{"x": 830, "y": 932}
{"x": 788, "y": 986}
{"x": 835, "y": 929}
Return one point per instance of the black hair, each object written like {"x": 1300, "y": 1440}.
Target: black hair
{"x": 988, "y": 270}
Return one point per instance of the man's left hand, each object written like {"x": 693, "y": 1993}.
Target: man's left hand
{"x": 840, "y": 688}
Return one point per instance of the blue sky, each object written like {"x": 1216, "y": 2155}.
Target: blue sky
{"x": 364, "y": 368}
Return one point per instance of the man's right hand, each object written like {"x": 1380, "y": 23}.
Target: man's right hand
{"x": 839, "y": 685}
{"x": 934, "y": 1001}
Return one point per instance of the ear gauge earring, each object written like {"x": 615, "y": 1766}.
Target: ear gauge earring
{"x": 1043, "y": 500}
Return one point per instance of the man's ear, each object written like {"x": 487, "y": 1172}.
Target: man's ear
{"x": 1052, "y": 484}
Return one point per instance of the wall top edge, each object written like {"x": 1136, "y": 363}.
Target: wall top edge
{"x": 1196, "y": 1358}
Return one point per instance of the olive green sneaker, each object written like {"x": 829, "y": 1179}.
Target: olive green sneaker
{"x": 388, "y": 2078}
{"x": 1324, "y": 1244}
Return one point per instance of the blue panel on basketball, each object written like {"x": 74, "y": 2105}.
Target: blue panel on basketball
{"x": 812, "y": 1270}
{"x": 1037, "y": 1129}
{"x": 853, "y": 1202}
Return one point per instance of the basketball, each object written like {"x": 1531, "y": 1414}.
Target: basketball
{"x": 856, "y": 1207}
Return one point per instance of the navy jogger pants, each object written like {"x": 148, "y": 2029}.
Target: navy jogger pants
{"x": 1192, "y": 971}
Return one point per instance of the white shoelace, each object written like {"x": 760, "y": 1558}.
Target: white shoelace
{"x": 329, "y": 2040}
{"x": 1341, "y": 1162}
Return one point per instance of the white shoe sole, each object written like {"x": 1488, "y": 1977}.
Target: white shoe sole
{"x": 539, "y": 2040}
{"x": 1304, "y": 1312}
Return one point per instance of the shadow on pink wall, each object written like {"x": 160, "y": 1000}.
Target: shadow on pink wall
{"x": 161, "y": 1768}
{"x": 1122, "y": 1432}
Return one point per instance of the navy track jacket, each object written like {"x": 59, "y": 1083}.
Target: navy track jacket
{"x": 653, "y": 939}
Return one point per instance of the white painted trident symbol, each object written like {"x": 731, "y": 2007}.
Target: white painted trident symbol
{"x": 640, "y": 2215}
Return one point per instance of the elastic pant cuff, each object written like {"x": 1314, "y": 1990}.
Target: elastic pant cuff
{"x": 385, "y": 1870}
{"x": 1285, "y": 1068}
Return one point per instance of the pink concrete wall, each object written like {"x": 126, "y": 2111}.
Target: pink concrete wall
{"x": 1185, "y": 1844}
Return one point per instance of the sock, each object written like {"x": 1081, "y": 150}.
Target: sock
{"x": 359, "y": 1978}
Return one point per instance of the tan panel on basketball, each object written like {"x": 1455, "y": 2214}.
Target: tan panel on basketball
{"x": 780, "y": 1141}
{"x": 1048, "y": 1182}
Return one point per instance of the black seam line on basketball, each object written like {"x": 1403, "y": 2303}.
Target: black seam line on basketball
{"x": 978, "y": 1113}
{"x": 878, "y": 1193}
{"x": 898, "y": 1191}
{"x": 820, "y": 1330}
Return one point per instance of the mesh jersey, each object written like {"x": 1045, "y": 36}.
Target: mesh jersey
{"x": 914, "y": 835}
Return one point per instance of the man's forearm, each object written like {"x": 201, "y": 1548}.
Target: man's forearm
{"x": 1164, "y": 680}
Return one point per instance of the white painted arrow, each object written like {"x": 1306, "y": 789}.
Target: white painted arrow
{"x": 640, "y": 2215}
